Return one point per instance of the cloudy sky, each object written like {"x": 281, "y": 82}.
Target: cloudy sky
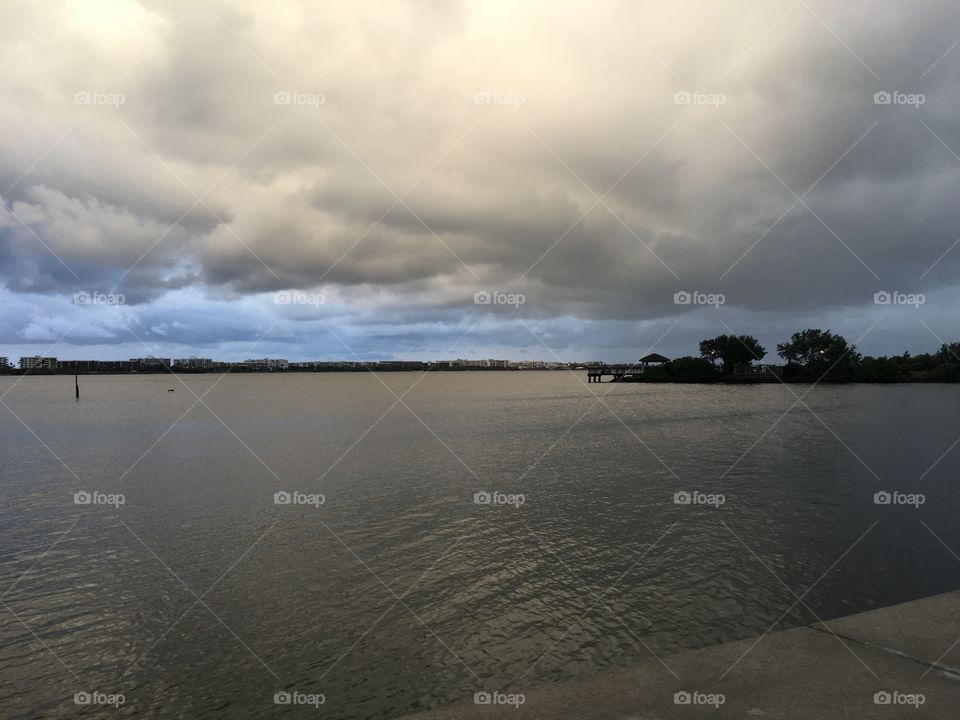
{"x": 324, "y": 180}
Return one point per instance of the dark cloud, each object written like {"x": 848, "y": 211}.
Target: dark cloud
{"x": 201, "y": 184}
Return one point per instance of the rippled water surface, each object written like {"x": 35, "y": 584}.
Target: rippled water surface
{"x": 201, "y": 598}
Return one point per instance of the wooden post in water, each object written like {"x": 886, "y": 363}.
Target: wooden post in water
{"x": 76, "y": 386}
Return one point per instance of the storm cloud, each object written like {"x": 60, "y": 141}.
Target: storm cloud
{"x": 396, "y": 158}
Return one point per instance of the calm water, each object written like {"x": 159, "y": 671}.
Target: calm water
{"x": 305, "y": 598}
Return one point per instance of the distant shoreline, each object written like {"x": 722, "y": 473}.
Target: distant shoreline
{"x": 290, "y": 371}
{"x": 16, "y": 372}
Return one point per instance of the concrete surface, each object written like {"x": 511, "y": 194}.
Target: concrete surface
{"x": 805, "y": 673}
{"x": 924, "y": 630}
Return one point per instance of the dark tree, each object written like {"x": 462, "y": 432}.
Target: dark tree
{"x": 693, "y": 370}
{"x": 949, "y": 353}
{"x": 732, "y": 350}
{"x": 819, "y": 351}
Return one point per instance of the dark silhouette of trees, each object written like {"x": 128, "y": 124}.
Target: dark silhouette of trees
{"x": 819, "y": 353}
{"x": 949, "y": 353}
{"x": 693, "y": 370}
{"x": 732, "y": 350}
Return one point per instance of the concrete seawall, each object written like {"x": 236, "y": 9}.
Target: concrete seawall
{"x": 897, "y": 662}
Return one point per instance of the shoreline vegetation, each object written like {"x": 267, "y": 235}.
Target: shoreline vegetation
{"x": 810, "y": 356}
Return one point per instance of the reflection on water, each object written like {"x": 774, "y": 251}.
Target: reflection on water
{"x": 200, "y": 597}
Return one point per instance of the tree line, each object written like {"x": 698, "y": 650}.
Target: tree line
{"x": 810, "y": 355}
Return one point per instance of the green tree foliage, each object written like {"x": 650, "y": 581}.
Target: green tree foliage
{"x": 732, "y": 350}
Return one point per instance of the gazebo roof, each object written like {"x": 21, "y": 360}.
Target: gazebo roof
{"x": 654, "y": 358}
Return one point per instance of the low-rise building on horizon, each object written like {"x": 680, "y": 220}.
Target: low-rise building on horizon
{"x": 36, "y": 362}
{"x": 265, "y": 364}
{"x": 193, "y": 363}
{"x": 151, "y": 362}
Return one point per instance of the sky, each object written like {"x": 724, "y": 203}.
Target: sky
{"x": 430, "y": 180}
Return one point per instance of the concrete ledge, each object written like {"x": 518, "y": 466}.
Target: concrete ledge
{"x": 806, "y": 673}
{"x": 926, "y": 630}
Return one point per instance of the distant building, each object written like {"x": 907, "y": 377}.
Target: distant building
{"x": 266, "y": 364}
{"x": 38, "y": 363}
{"x": 403, "y": 365}
{"x": 4, "y": 363}
{"x": 79, "y": 365}
{"x": 464, "y": 364}
{"x": 150, "y": 363}
{"x": 95, "y": 366}
{"x": 193, "y": 363}
{"x": 532, "y": 365}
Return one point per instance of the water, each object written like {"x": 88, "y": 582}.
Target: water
{"x": 201, "y": 598}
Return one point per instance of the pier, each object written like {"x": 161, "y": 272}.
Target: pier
{"x": 624, "y": 373}
{"x": 616, "y": 373}
{"x": 897, "y": 662}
